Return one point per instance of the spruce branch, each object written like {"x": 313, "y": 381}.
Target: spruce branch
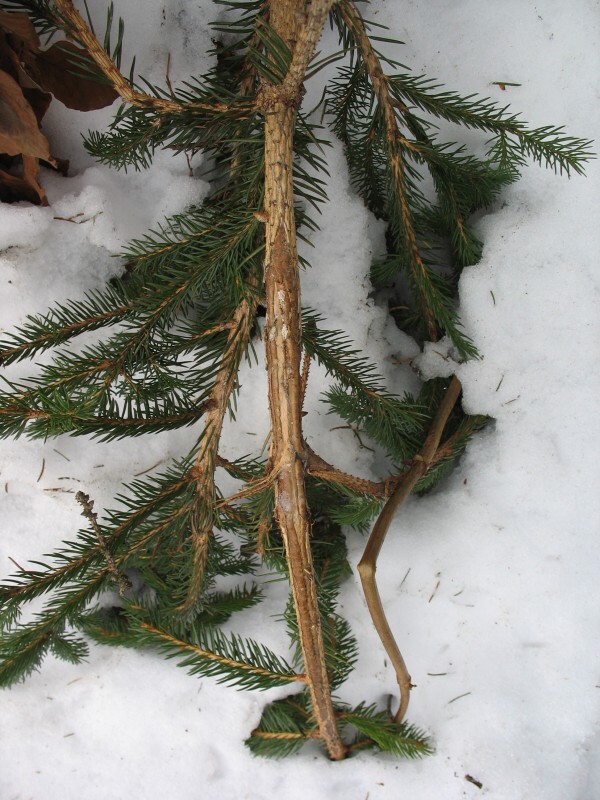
{"x": 65, "y": 322}
{"x": 240, "y": 331}
{"x": 548, "y": 144}
{"x": 450, "y": 172}
{"x": 283, "y": 728}
{"x": 513, "y": 139}
{"x": 378, "y": 731}
{"x": 288, "y": 724}
{"x": 242, "y": 662}
{"x": 83, "y": 557}
{"x": 76, "y": 26}
{"x": 359, "y": 394}
{"x": 206, "y": 462}
{"x": 395, "y": 143}
{"x": 22, "y": 648}
{"x": 23, "y": 654}
{"x": 182, "y": 319}
{"x": 450, "y": 449}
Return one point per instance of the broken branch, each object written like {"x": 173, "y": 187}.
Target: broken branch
{"x": 367, "y": 566}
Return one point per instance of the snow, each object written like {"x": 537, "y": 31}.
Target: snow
{"x": 490, "y": 581}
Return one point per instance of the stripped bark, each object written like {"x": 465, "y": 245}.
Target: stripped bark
{"x": 207, "y": 459}
{"x": 283, "y": 354}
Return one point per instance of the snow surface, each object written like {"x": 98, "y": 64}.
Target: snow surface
{"x": 491, "y": 581}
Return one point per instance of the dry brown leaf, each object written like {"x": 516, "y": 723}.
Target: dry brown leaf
{"x": 31, "y": 170}
{"x": 38, "y": 100}
{"x": 55, "y": 70}
{"x": 29, "y": 76}
{"x": 19, "y": 131}
{"x": 20, "y": 28}
{"x": 24, "y": 186}
{"x": 22, "y": 106}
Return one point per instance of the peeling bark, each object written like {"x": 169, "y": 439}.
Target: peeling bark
{"x": 283, "y": 353}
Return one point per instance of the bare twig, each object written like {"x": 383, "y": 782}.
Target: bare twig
{"x": 356, "y": 433}
{"x": 368, "y": 563}
{"x": 88, "y": 512}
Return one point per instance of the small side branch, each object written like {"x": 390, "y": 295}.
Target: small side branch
{"x": 368, "y": 564}
{"x": 74, "y": 24}
{"x": 89, "y": 513}
{"x": 304, "y": 378}
{"x": 395, "y": 143}
{"x": 208, "y": 459}
{"x": 251, "y": 489}
{"x": 319, "y": 468}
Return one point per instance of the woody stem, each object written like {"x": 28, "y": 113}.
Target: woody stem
{"x": 290, "y": 19}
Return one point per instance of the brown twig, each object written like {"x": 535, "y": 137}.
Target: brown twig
{"x": 88, "y": 512}
{"x": 306, "y": 45}
{"x": 368, "y": 564}
{"x": 319, "y": 468}
{"x": 356, "y": 433}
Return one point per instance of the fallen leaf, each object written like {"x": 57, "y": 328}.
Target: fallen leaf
{"x": 19, "y": 131}
{"x": 20, "y": 28}
{"x": 29, "y": 77}
{"x": 31, "y": 170}
{"x": 14, "y": 188}
{"x": 38, "y": 100}
{"x": 55, "y": 70}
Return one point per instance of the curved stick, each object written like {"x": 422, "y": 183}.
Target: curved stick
{"x": 367, "y": 566}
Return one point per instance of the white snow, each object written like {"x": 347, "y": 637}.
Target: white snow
{"x": 490, "y": 582}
